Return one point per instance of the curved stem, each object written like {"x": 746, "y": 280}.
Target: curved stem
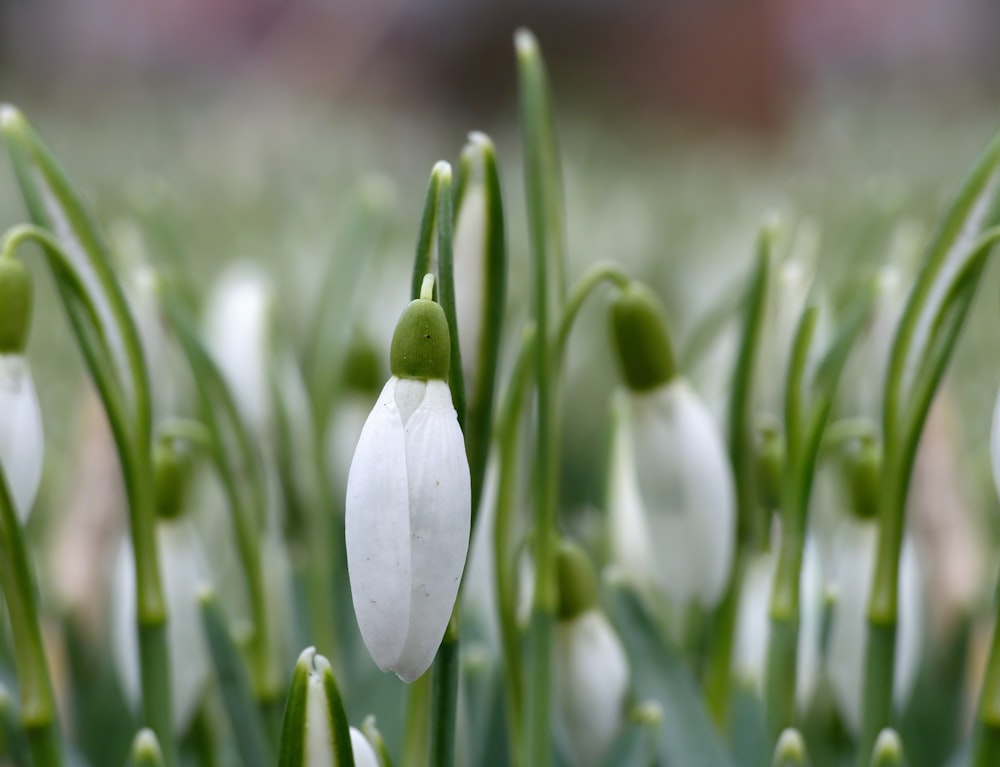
{"x": 591, "y": 279}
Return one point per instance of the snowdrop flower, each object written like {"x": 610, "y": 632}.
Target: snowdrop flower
{"x": 753, "y": 626}
{"x": 21, "y": 437}
{"x": 409, "y": 500}
{"x": 852, "y": 565}
{"x": 314, "y": 722}
{"x": 184, "y": 569}
{"x": 591, "y": 670}
{"x": 671, "y": 491}
{"x": 237, "y": 332}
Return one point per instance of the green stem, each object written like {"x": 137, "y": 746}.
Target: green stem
{"x": 444, "y": 697}
{"x": 594, "y": 277}
{"x": 38, "y": 709}
{"x": 508, "y": 421}
{"x": 417, "y": 728}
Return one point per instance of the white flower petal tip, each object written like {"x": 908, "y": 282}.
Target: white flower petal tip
{"x": 672, "y": 492}
{"x": 364, "y": 754}
{"x": 22, "y": 442}
{"x": 591, "y": 686}
{"x": 146, "y": 749}
{"x": 407, "y": 518}
{"x": 791, "y": 749}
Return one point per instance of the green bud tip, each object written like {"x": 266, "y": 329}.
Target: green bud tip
{"x": 421, "y": 347}
{"x": 576, "y": 579}
{"x": 639, "y": 330}
{"x": 888, "y": 751}
{"x": 442, "y": 170}
{"x": 171, "y": 475}
{"x": 146, "y": 748}
{"x": 16, "y": 298}
{"x": 648, "y": 713}
{"x": 862, "y": 469}
{"x": 791, "y": 749}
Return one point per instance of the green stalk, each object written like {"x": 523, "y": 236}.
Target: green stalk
{"x": 444, "y": 697}
{"x": 752, "y": 525}
{"x": 122, "y": 383}
{"x": 507, "y": 431}
{"x": 986, "y": 740}
{"x": 416, "y": 733}
{"x": 38, "y": 708}
{"x": 544, "y": 201}
{"x": 595, "y": 276}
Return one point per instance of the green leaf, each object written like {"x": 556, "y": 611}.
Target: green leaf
{"x": 306, "y": 718}
{"x": 234, "y": 685}
{"x": 658, "y": 674}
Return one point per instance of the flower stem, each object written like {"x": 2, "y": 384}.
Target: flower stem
{"x": 986, "y": 740}
{"x": 38, "y": 709}
{"x": 444, "y": 697}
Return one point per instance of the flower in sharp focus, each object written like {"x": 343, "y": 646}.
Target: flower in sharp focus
{"x": 408, "y": 502}
{"x": 314, "y": 727}
{"x": 671, "y": 499}
{"x": 21, "y": 437}
{"x": 591, "y": 670}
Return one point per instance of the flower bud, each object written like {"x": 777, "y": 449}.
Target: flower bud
{"x": 576, "y": 579}
{"x": 22, "y": 441}
{"x": 591, "y": 687}
{"x": 15, "y": 306}
{"x": 408, "y": 506}
{"x": 639, "y": 329}
{"x": 770, "y": 455}
{"x": 146, "y": 750}
{"x": 791, "y": 750}
{"x": 888, "y": 751}
{"x": 183, "y": 568}
{"x": 314, "y": 731}
{"x": 171, "y": 477}
{"x": 672, "y": 503}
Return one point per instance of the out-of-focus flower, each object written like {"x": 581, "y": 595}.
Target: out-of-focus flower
{"x": 671, "y": 491}
{"x": 408, "y": 502}
{"x": 591, "y": 669}
{"x": 238, "y": 335}
{"x": 183, "y": 569}
{"x": 21, "y": 437}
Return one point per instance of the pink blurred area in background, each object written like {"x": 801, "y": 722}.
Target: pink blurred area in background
{"x": 739, "y": 63}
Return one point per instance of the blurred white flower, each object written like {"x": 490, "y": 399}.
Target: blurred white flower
{"x": 753, "y": 628}
{"x": 237, "y": 332}
{"x": 852, "y": 567}
{"x": 21, "y": 436}
{"x": 407, "y": 523}
{"x": 591, "y": 685}
{"x": 469, "y": 268}
{"x": 183, "y": 569}
{"x": 671, "y": 494}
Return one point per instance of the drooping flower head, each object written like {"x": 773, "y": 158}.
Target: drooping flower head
{"x": 21, "y": 438}
{"x": 671, "y": 491}
{"x": 407, "y": 512}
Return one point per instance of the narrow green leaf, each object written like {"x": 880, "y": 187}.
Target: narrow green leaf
{"x": 658, "y": 674}
{"x": 314, "y": 715}
{"x": 234, "y": 685}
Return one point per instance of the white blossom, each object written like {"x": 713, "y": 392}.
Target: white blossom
{"x": 21, "y": 436}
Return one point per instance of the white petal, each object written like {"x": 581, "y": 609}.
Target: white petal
{"x": 21, "y": 437}
{"x": 629, "y": 533}
{"x": 237, "y": 334}
{"x": 591, "y": 683}
{"x": 853, "y": 564}
{"x": 470, "y": 250}
{"x": 377, "y": 531}
{"x": 687, "y": 490}
{"x": 184, "y": 569}
{"x": 440, "y": 507}
{"x": 318, "y": 737}
{"x": 364, "y": 754}
{"x": 479, "y": 596}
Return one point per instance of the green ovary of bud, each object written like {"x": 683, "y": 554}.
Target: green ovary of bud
{"x": 862, "y": 467}
{"x": 15, "y": 306}
{"x": 770, "y": 461}
{"x": 421, "y": 347}
{"x": 171, "y": 474}
{"x": 639, "y": 330}
{"x": 576, "y": 579}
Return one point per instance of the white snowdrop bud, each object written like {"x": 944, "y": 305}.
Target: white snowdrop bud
{"x": 407, "y": 512}
{"x": 314, "y": 731}
{"x": 852, "y": 567}
{"x": 184, "y": 569}
{"x": 591, "y": 669}
{"x": 671, "y": 494}
{"x": 21, "y": 437}
{"x": 237, "y": 332}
